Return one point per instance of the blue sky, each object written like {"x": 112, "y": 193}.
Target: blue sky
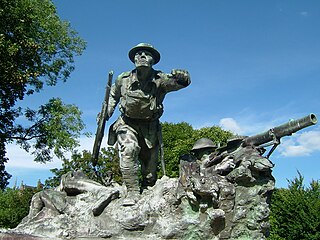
{"x": 253, "y": 64}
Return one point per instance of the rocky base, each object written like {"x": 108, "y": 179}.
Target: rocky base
{"x": 224, "y": 198}
{"x": 16, "y": 236}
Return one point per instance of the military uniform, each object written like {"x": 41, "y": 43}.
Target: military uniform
{"x": 137, "y": 129}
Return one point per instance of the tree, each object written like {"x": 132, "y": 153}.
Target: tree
{"x": 14, "y": 205}
{"x": 55, "y": 127}
{"x": 295, "y": 211}
{"x": 37, "y": 48}
{"x": 178, "y": 139}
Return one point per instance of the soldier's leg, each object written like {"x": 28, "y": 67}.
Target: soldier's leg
{"x": 129, "y": 150}
{"x": 149, "y": 161}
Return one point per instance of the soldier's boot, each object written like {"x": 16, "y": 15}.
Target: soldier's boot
{"x": 149, "y": 180}
{"x": 129, "y": 150}
{"x": 149, "y": 168}
{"x": 131, "y": 181}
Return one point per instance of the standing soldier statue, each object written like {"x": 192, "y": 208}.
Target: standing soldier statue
{"x": 137, "y": 131}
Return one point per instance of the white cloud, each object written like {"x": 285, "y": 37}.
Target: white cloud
{"x": 86, "y": 143}
{"x": 247, "y": 125}
{"x": 302, "y": 144}
{"x": 297, "y": 145}
{"x": 304, "y": 14}
{"x": 295, "y": 151}
{"x": 22, "y": 159}
{"x": 231, "y": 125}
{"x": 310, "y": 139}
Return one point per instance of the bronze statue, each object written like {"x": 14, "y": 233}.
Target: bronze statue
{"x": 233, "y": 184}
{"x": 58, "y": 200}
{"x": 140, "y": 94}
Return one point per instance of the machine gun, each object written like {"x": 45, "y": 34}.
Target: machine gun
{"x": 265, "y": 139}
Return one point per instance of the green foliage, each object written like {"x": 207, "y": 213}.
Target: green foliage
{"x": 14, "y": 206}
{"x": 37, "y": 48}
{"x": 295, "y": 211}
{"x": 55, "y": 127}
{"x": 108, "y": 162}
{"x": 34, "y": 43}
{"x": 178, "y": 139}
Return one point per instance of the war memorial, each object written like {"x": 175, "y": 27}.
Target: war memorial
{"x": 223, "y": 192}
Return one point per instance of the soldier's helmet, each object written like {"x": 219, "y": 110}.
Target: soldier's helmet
{"x": 144, "y": 46}
{"x": 203, "y": 143}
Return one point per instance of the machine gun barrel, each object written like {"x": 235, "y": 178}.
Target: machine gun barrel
{"x": 286, "y": 129}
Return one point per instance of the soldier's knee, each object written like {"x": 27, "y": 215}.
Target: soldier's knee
{"x": 130, "y": 149}
{"x": 129, "y": 156}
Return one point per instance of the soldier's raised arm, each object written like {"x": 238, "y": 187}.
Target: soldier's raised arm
{"x": 176, "y": 80}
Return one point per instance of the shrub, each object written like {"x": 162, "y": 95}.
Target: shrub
{"x": 14, "y": 206}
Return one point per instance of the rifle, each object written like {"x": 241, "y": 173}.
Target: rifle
{"x": 102, "y": 118}
{"x": 265, "y": 139}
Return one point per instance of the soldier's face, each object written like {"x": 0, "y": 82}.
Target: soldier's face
{"x": 203, "y": 154}
{"x": 143, "y": 59}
